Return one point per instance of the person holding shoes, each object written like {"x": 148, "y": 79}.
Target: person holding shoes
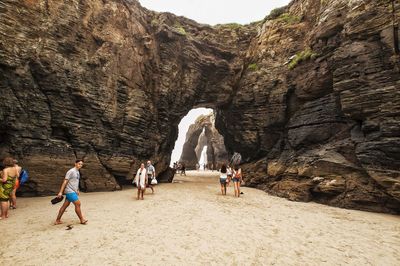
{"x": 70, "y": 187}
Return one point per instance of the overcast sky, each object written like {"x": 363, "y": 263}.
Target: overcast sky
{"x": 216, "y": 11}
{"x": 211, "y": 12}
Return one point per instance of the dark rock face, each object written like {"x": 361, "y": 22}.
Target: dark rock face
{"x": 108, "y": 81}
{"x": 203, "y": 133}
{"x": 329, "y": 127}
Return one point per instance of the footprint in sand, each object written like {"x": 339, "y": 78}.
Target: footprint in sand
{"x": 298, "y": 253}
{"x": 69, "y": 227}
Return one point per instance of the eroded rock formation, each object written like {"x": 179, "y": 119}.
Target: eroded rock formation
{"x": 203, "y": 133}
{"x": 328, "y": 128}
{"x": 109, "y": 81}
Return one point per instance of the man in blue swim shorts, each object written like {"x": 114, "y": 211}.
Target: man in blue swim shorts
{"x": 70, "y": 187}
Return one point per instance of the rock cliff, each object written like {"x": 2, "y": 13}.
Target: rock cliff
{"x": 327, "y": 125}
{"x": 310, "y": 96}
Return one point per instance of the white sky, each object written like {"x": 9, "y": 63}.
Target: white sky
{"x": 216, "y": 11}
{"x": 183, "y": 128}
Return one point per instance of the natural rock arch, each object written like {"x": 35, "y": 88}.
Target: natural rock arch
{"x": 203, "y": 133}
{"x": 110, "y": 81}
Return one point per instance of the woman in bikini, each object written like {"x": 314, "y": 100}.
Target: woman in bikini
{"x": 237, "y": 180}
{"x": 8, "y": 177}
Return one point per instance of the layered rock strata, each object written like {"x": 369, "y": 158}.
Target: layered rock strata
{"x": 309, "y": 96}
{"x": 327, "y": 125}
{"x": 107, "y": 82}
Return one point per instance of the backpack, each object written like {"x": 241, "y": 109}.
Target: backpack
{"x": 23, "y": 177}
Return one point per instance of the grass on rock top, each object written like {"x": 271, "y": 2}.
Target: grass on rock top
{"x": 301, "y": 57}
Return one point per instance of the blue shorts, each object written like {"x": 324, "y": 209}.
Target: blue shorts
{"x": 235, "y": 179}
{"x": 72, "y": 197}
{"x": 222, "y": 181}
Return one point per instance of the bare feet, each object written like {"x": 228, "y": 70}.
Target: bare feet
{"x": 57, "y": 222}
{"x": 84, "y": 222}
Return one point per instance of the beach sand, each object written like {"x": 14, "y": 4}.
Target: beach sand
{"x": 189, "y": 222}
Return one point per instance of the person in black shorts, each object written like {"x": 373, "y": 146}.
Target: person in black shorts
{"x": 151, "y": 174}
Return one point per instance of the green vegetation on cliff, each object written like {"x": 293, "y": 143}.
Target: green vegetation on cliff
{"x": 301, "y": 57}
{"x": 233, "y": 25}
{"x": 252, "y": 67}
{"x": 275, "y": 13}
{"x": 178, "y": 27}
{"x": 289, "y": 18}
{"x": 154, "y": 22}
{"x": 280, "y": 14}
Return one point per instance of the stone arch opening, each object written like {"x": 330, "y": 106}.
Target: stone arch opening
{"x": 199, "y": 142}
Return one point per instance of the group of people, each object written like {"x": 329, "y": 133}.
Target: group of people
{"x": 209, "y": 166}
{"x": 227, "y": 174}
{"x": 10, "y": 174}
{"x": 178, "y": 166}
{"x": 145, "y": 177}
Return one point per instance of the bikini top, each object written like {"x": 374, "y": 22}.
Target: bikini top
{"x": 10, "y": 179}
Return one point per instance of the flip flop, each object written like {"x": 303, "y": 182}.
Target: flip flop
{"x": 84, "y": 222}
{"x": 69, "y": 227}
{"x": 57, "y": 200}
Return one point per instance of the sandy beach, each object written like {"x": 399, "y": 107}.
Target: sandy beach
{"x": 189, "y": 222}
